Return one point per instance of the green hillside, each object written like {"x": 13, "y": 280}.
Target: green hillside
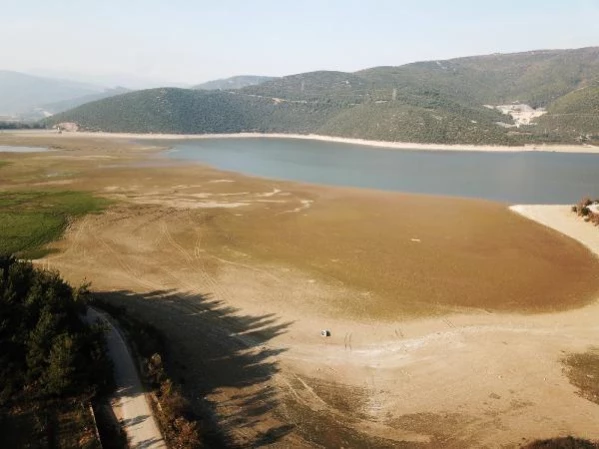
{"x": 574, "y": 116}
{"x": 581, "y": 101}
{"x": 185, "y": 111}
{"x": 314, "y": 86}
{"x": 536, "y": 77}
{"x": 435, "y": 101}
{"x": 397, "y": 121}
{"x": 65, "y": 105}
{"x": 235, "y": 82}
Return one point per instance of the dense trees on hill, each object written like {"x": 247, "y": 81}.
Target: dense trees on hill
{"x": 169, "y": 110}
{"x": 580, "y": 101}
{"x": 574, "y": 117}
{"x": 21, "y": 125}
{"x": 535, "y": 77}
{"x": 437, "y": 101}
{"x": 46, "y": 349}
{"x": 235, "y": 82}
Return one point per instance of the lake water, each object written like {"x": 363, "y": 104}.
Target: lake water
{"x": 11, "y": 149}
{"x": 524, "y": 177}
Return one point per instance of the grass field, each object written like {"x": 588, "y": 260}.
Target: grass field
{"x": 31, "y": 219}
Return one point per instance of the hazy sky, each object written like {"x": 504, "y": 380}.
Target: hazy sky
{"x": 194, "y": 41}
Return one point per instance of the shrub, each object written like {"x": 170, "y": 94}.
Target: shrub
{"x": 582, "y": 207}
{"x": 563, "y": 443}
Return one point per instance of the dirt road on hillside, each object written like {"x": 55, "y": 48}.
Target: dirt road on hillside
{"x": 129, "y": 403}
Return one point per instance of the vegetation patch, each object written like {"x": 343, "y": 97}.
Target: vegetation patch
{"x": 584, "y": 209}
{"x": 52, "y": 364}
{"x": 563, "y": 443}
{"x": 51, "y": 423}
{"x": 31, "y": 219}
{"x": 582, "y": 370}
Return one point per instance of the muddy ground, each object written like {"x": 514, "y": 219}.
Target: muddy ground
{"x": 449, "y": 318}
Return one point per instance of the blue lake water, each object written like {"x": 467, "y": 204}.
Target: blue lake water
{"x": 523, "y": 177}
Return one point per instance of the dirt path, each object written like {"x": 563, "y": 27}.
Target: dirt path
{"x": 129, "y": 403}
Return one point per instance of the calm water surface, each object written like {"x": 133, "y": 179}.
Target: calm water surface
{"x": 526, "y": 177}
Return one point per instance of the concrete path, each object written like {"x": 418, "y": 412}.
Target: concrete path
{"x": 129, "y": 402}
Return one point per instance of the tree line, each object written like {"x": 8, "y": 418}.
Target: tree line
{"x": 46, "y": 348}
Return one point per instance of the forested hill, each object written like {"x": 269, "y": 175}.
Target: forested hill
{"x": 453, "y": 101}
{"x": 235, "y": 82}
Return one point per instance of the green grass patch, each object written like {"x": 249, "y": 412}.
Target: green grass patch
{"x": 31, "y": 219}
{"x": 4, "y": 163}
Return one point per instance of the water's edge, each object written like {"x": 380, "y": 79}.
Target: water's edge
{"x": 523, "y": 177}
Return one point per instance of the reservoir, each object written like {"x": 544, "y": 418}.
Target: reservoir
{"x": 518, "y": 177}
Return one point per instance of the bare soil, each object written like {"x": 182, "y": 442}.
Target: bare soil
{"x": 449, "y": 318}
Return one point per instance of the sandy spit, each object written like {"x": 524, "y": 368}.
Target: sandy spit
{"x": 371, "y": 143}
{"x": 562, "y": 219}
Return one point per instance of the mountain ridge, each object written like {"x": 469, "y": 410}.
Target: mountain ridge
{"x": 234, "y": 82}
{"x": 428, "y": 102}
{"x": 20, "y": 92}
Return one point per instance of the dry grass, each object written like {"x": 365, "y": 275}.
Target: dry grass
{"x": 563, "y": 443}
{"x": 583, "y": 371}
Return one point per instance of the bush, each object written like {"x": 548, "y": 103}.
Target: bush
{"x": 582, "y": 208}
{"x": 563, "y": 443}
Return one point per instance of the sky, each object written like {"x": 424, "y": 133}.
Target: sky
{"x": 192, "y": 41}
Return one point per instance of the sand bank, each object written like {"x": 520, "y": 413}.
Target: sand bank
{"x": 562, "y": 219}
{"x": 370, "y": 143}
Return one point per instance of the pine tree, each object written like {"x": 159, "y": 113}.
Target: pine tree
{"x": 58, "y": 376}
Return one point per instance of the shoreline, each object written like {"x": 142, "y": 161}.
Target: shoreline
{"x": 563, "y": 148}
{"x": 561, "y": 219}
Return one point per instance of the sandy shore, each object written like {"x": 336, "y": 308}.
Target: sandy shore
{"x": 562, "y": 219}
{"x": 370, "y": 143}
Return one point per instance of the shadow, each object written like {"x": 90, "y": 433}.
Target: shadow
{"x": 273, "y": 435}
{"x": 147, "y": 444}
{"x": 125, "y": 392}
{"x": 222, "y": 360}
{"x": 134, "y": 421}
{"x": 109, "y": 428}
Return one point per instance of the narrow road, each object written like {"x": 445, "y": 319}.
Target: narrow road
{"x": 129, "y": 401}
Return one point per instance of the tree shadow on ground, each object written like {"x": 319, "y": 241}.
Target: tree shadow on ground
{"x": 220, "y": 358}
